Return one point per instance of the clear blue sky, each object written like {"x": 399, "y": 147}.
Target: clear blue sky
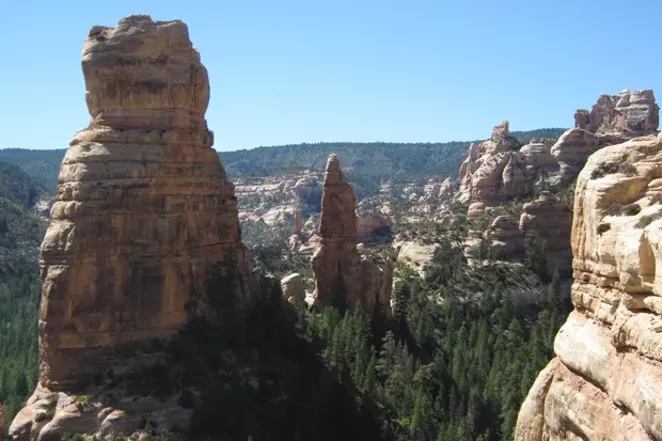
{"x": 285, "y": 71}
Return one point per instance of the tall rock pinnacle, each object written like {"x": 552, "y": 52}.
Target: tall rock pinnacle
{"x": 336, "y": 263}
{"x": 342, "y": 276}
{"x": 144, "y": 209}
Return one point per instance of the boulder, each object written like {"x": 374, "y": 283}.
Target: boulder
{"x": 293, "y": 289}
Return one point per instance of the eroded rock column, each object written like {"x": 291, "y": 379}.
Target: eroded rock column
{"x": 144, "y": 209}
{"x": 343, "y": 277}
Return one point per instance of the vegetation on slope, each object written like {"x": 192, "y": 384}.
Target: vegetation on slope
{"x": 20, "y": 235}
{"x": 42, "y": 165}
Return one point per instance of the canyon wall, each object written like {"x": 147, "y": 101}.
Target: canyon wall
{"x": 144, "y": 218}
{"x": 606, "y": 380}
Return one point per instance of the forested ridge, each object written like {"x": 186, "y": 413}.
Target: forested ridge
{"x": 371, "y": 161}
{"x": 21, "y": 232}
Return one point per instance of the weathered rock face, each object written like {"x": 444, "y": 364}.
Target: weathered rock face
{"x": 143, "y": 209}
{"x": 342, "y": 277}
{"x": 613, "y": 119}
{"x": 626, "y": 115}
{"x": 336, "y": 263}
{"x": 504, "y": 239}
{"x": 606, "y": 381}
{"x": 494, "y": 171}
{"x": 572, "y": 150}
{"x": 548, "y": 219}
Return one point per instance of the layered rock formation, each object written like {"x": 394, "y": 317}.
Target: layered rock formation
{"x": 612, "y": 120}
{"x": 144, "y": 218}
{"x": 505, "y": 239}
{"x": 492, "y": 171}
{"x": 495, "y": 170}
{"x": 342, "y": 276}
{"x": 625, "y": 115}
{"x": 544, "y": 226}
{"x": 606, "y": 381}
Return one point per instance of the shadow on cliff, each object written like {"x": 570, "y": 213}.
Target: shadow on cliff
{"x": 256, "y": 376}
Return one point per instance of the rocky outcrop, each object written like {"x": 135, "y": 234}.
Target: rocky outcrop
{"x": 547, "y": 222}
{"x": 336, "y": 262}
{"x": 447, "y": 189}
{"x": 544, "y": 227}
{"x": 293, "y": 288}
{"x": 496, "y": 171}
{"x": 612, "y": 120}
{"x": 491, "y": 172}
{"x": 605, "y": 383}
{"x": 371, "y": 229}
{"x": 144, "y": 218}
{"x": 416, "y": 255}
{"x": 505, "y": 240}
{"x": 342, "y": 276}
{"x": 572, "y": 150}
{"x": 625, "y": 115}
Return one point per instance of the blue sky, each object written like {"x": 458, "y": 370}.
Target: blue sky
{"x": 294, "y": 71}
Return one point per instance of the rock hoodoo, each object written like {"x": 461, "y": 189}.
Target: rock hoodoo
{"x": 144, "y": 215}
{"x": 605, "y": 383}
{"x": 342, "y": 275}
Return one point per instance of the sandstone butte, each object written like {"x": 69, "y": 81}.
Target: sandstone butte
{"x": 343, "y": 277}
{"x": 144, "y": 214}
{"x": 496, "y": 170}
{"x": 606, "y": 380}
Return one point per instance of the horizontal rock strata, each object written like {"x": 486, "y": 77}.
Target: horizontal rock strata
{"x": 144, "y": 220}
{"x": 606, "y": 381}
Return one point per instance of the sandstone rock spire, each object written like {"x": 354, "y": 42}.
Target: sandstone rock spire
{"x": 606, "y": 380}
{"x": 343, "y": 277}
{"x": 336, "y": 263}
{"x": 144, "y": 209}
